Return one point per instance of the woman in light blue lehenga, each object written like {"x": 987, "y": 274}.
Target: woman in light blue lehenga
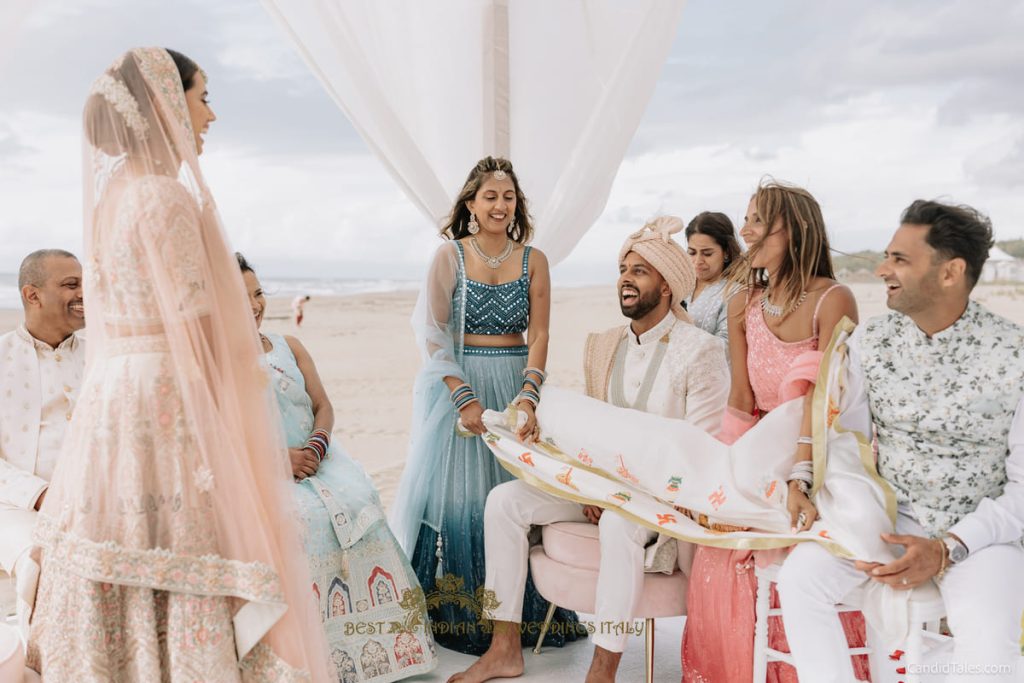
{"x": 485, "y": 290}
{"x": 370, "y": 602}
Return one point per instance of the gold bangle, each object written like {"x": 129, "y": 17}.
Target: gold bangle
{"x": 943, "y": 560}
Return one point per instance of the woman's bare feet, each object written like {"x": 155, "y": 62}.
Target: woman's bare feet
{"x": 503, "y": 659}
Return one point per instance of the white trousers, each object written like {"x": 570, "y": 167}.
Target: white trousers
{"x": 983, "y": 595}
{"x": 15, "y": 536}
{"x": 513, "y": 507}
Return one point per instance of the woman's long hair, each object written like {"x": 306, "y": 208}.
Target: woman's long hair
{"x": 456, "y": 226}
{"x": 807, "y": 250}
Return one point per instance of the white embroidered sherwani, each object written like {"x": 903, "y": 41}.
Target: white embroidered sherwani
{"x": 674, "y": 370}
{"x": 38, "y": 387}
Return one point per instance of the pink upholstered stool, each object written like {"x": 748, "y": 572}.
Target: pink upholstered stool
{"x": 565, "y": 569}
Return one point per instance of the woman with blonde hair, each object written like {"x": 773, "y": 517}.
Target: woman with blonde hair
{"x": 485, "y": 289}
{"x": 777, "y": 327}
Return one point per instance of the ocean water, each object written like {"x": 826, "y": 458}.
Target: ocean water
{"x": 274, "y": 287}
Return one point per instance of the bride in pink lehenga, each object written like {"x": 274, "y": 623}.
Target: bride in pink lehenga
{"x": 166, "y": 544}
{"x": 775, "y": 336}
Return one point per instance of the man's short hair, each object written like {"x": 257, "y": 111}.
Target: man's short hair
{"x": 954, "y": 231}
{"x": 32, "y": 271}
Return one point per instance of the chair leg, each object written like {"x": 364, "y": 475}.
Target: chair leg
{"x": 649, "y": 650}
{"x": 544, "y": 628}
{"x": 761, "y": 606}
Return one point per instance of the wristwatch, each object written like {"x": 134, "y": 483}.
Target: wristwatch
{"x": 957, "y": 550}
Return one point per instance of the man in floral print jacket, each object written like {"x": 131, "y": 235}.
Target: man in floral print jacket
{"x": 944, "y": 378}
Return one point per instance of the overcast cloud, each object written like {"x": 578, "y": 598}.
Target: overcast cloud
{"x": 868, "y": 104}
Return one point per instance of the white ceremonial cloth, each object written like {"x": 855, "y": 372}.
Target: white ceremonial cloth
{"x": 589, "y": 453}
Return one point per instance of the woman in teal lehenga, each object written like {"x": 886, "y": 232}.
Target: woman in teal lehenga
{"x": 361, "y": 578}
{"x": 484, "y": 290}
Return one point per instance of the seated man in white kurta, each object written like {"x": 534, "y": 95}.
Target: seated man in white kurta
{"x": 41, "y": 364}
{"x": 659, "y": 363}
{"x": 944, "y": 379}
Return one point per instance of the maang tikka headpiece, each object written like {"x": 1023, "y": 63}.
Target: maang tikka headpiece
{"x": 500, "y": 175}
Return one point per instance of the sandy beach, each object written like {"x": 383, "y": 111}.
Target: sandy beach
{"x": 364, "y": 349}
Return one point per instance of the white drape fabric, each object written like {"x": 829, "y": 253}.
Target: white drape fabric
{"x": 13, "y": 14}
{"x": 557, "y": 87}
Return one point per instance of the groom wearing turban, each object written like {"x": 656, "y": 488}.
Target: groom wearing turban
{"x": 658, "y": 363}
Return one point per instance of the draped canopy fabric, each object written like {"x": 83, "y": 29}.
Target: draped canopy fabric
{"x": 557, "y": 87}
{"x": 13, "y": 14}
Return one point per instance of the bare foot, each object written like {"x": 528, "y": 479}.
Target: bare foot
{"x": 603, "y": 666}
{"x": 503, "y": 659}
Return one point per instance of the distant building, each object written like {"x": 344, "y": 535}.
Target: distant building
{"x": 1001, "y": 267}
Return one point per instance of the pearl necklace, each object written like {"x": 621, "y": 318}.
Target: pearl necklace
{"x": 777, "y": 311}
{"x": 493, "y": 262}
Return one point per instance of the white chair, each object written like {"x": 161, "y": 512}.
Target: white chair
{"x": 924, "y": 642}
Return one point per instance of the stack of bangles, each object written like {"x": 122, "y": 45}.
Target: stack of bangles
{"x": 532, "y": 379}
{"x": 318, "y": 442}
{"x": 462, "y": 396}
{"x": 803, "y": 474}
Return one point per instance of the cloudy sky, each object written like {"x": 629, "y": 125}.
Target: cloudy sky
{"x": 868, "y": 104}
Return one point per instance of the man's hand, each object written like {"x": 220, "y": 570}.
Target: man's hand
{"x": 919, "y": 563}
{"x": 39, "y": 500}
{"x": 592, "y": 513}
{"x": 304, "y": 463}
{"x": 472, "y": 417}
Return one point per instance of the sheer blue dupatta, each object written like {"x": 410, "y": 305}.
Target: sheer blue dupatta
{"x": 438, "y": 322}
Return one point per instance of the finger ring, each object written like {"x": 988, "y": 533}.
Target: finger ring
{"x": 801, "y": 519}
{"x": 904, "y": 581}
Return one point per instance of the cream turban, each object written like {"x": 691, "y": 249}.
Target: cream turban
{"x": 654, "y": 243}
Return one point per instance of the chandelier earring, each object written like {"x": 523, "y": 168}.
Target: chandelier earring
{"x": 512, "y": 227}
{"x": 473, "y": 227}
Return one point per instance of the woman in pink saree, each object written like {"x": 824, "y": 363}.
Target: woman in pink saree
{"x": 168, "y": 550}
{"x": 775, "y": 337}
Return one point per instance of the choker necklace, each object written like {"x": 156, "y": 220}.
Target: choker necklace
{"x": 493, "y": 262}
{"x": 776, "y": 311}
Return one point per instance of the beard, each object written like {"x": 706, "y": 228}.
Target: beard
{"x": 645, "y": 303}
{"x": 919, "y": 296}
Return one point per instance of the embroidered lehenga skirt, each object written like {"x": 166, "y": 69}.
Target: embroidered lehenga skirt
{"x": 139, "y": 595}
